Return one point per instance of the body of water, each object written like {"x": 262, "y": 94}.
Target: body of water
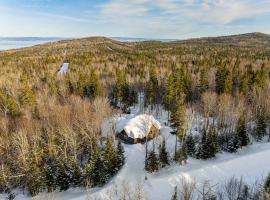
{"x": 7, "y": 43}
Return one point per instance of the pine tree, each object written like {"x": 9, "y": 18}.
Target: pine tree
{"x": 151, "y": 95}
{"x": 223, "y": 80}
{"x": 151, "y": 163}
{"x": 35, "y": 180}
{"x": 179, "y": 119}
{"x": 92, "y": 89}
{"x": 110, "y": 158}
{"x": 163, "y": 154}
{"x": 236, "y": 77}
{"x": 261, "y": 124}
{"x": 170, "y": 93}
{"x": 244, "y": 88}
{"x": 95, "y": 172}
{"x": 232, "y": 142}
{"x": 204, "y": 84}
{"x": 27, "y": 96}
{"x": 120, "y": 155}
{"x": 51, "y": 173}
{"x": 241, "y": 131}
{"x": 63, "y": 178}
{"x": 190, "y": 144}
{"x": 261, "y": 77}
{"x": 209, "y": 144}
{"x": 75, "y": 173}
{"x": 182, "y": 154}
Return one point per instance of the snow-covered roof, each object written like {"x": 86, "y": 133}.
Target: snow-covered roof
{"x": 137, "y": 126}
{"x": 64, "y": 68}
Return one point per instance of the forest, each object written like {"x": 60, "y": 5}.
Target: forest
{"x": 50, "y": 123}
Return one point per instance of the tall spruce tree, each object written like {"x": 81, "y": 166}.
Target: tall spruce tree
{"x": 261, "y": 122}
{"x": 110, "y": 158}
{"x": 191, "y": 145}
{"x": 151, "y": 163}
{"x": 35, "y": 180}
{"x": 63, "y": 176}
{"x": 151, "y": 95}
{"x": 223, "y": 80}
{"x": 75, "y": 172}
{"x": 241, "y": 131}
{"x": 51, "y": 173}
{"x": 120, "y": 155}
{"x": 204, "y": 83}
{"x": 179, "y": 118}
{"x": 163, "y": 155}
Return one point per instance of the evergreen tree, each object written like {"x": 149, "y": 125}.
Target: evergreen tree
{"x": 92, "y": 90}
{"x": 261, "y": 124}
{"x": 223, "y": 80}
{"x": 151, "y": 95}
{"x": 75, "y": 173}
{"x": 204, "y": 84}
{"x": 244, "y": 88}
{"x": 241, "y": 131}
{"x": 190, "y": 144}
{"x": 27, "y": 96}
{"x": 209, "y": 144}
{"x": 95, "y": 172}
{"x": 236, "y": 77}
{"x": 35, "y": 180}
{"x": 232, "y": 143}
{"x": 110, "y": 158}
{"x": 151, "y": 163}
{"x": 163, "y": 154}
{"x": 179, "y": 122}
{"x": 63, "y": 178}
{"x": 261, "y": 77}
{"x": 51, "y": 173}
{"x": 182, "y": 154}
{"x": 170, "y": 93}
{"x": 120, "y": 155}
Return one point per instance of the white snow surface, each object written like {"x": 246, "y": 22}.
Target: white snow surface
{"x": 137, "y": 126}
{"x": 64, "y": 68}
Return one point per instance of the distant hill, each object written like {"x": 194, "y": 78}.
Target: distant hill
{"x": 247, "y": 39}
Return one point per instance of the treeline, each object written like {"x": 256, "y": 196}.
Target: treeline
{"x": 234, "y": 188}
{"x": 52, "y": 173}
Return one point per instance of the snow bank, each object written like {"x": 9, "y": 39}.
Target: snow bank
{"x": 64, "y": 68}
{"x": 138, "y": 126}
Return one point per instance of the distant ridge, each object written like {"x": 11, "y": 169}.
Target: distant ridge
{"x": 246, "y": 39}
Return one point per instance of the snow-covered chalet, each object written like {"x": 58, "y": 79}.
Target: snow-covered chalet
{"x": 137, "y": 129}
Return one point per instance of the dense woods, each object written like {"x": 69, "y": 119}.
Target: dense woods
{"x": 50, "y": 123}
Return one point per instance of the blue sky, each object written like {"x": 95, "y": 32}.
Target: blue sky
{"x": 174, "y": 19}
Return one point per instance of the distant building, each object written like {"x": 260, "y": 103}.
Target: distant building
{"x": 137, "y": 129}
